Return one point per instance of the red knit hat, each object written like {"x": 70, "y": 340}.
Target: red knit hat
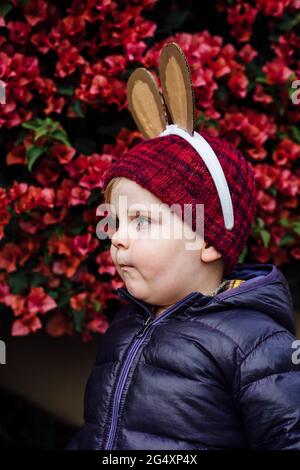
{"x": 182, "y": 167}
{"x": 171, "y": 169}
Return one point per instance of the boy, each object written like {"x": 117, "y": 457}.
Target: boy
{"x": 197, "y": 359}
{"x": 201, "y": 356}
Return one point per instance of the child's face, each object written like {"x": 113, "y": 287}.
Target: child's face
{"x": 162, "y": 269}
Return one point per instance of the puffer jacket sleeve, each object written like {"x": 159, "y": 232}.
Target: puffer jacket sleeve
{"x": 267, "y": 392}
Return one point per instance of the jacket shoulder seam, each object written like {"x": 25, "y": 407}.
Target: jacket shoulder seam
{"x": 262, "y": 340}
{"x": 220, "y": 333}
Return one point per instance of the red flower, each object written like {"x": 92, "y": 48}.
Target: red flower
{"x": 105, "y": 263}
{"x": 241, "y": 17}
{"x": 295, "y": 252}
{"x": 39, "y": 302}
{"x": 63, "y": 153}
{"x": 288, "y": 183}
{"x": 84, "y": 244}
{"x": 266, "y": 202}
{"x": 261, "y": 96}
{"x": 79, "y": 301}
{"x": 261, "y": 253}
{"x": 78, "y": 166}
{"x": 10, "y": 256}
{"x": 247, "y": 53}
{"x": 69, "y": 59}
{"x": 238, "y": 83}
{"x": 16, "y": 156}
{"x": 59, "y": 325}
{"x": 98, "y": 324}
{"x": 278, "y": 232}
{"x": 277, "y": 72}
{"x": 286, "y": 152}
{"x": 273, "y": 7}
{"x": 60, "y": 245}
{"x": 27, "y": 324}
{"x": 67, "y": 266}
{"x": 35, "y": 11}
{"x": 78, "y": 196}
{"x": 5, "y": 294}
{"x": 266, "y": 175}
{"x": 97, "y": 165}
{"x": 18, "y": 32}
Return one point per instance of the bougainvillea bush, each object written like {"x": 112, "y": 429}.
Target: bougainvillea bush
{"x": 64, "y": 66}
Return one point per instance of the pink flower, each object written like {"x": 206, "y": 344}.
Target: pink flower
{"x": 277, "y": 72}
{"x": 24, "y": 326}
{"x": 39, "y": 301}
{"x": 63, "y": 153}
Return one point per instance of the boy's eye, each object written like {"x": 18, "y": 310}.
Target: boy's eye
{"x": 143, "y": 218}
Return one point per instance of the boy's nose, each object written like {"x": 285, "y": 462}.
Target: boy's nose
{"x": 121, "y": 236}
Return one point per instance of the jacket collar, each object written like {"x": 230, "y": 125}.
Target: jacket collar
{"x": 191, "y": 298}
{"x": 265, "y": 289}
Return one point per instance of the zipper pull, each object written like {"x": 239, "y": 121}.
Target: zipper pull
{"x": 142, "y": 330}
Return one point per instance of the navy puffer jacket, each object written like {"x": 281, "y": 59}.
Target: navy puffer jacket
{"x": 209, "y": 373}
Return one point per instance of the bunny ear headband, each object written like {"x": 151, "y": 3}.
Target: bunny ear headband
{"x": 148, "y": 110}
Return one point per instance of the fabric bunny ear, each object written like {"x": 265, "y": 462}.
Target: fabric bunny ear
{"x": 146, "y": 104}
{"x": 177, "y": 86}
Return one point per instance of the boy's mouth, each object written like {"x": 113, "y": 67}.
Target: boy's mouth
{"x": 125, "y": 266}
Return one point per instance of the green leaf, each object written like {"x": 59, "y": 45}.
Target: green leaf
{"x": 67, "y": 284}
{"x": 289, "y": 23}
{"x": 61, "y": 136}
{"x": 34, "y": 124}
{"x": 243, "y": 254}
{"x": 257, "y": 225}
{"x": 41, "y": 132}
{"x": 5, "y": 9}
{"x": 265, "y": 235}
{"x": 214, "y": 123}
{"x": 97, "y": 305}
{"x": 59, "y": 231}
{"x": 295, "y": 131}
{"x": 222, "y": 92}
{"x": 54, "y": 294}
{"x": 200, "y": 120}
{"x": 65, "y": 90}
{"x": 18, "y": 281}
{"x": 37, "y": 279}
{"x": 273, "y": 191}
{"x": 77, "y": 230}
{"x": 286, "y": 239}
{"x": 261, "y": 79}
{"x": 64, "y": 300}
{"x": 282, "y": 135}
{"x": 284, "y": 222}
{"x": 296, "y": 227}
{"x": 33, "y": 153}
{"x": 78, "y": 317}
{"x": 47, "y": 128}
{"x": 77, "y": 108}
{"x": 47, "y": 258}
{"x": 21, "y": 136}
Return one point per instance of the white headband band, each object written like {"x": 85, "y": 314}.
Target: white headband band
{"x": 214, "y": 167}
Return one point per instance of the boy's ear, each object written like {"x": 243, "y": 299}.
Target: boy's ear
{"x": 208, "y": 253}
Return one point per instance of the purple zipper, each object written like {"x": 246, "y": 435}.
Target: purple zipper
{"x": 140, "y": 335}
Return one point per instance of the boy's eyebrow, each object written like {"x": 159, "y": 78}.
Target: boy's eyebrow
{"x": 143, "y": 209}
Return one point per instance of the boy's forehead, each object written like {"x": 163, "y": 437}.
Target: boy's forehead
{"x": 133, "y": 194}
